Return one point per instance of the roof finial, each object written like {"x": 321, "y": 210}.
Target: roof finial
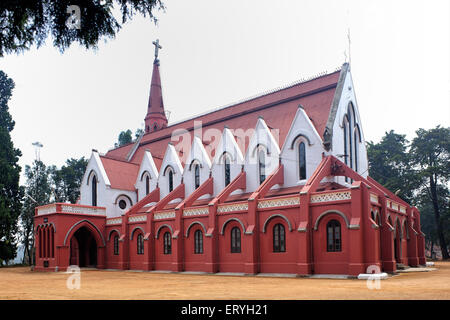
{"x": 157, "y": 47}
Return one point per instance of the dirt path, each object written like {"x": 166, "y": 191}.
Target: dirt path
{"x": 21, "y": 283}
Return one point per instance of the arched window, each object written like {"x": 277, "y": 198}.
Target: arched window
{"x": 140, "y": 244}
{"x": 167, "y": 243}
{"x": 197, "y": 176}
{"x": 170, "y": 180}
{"x": 40, "y": 243}
{"x": 116, "y": 245}
{"x": 357, "y": 140}
{"x": 198, "y": 241}
{"x": 235, "y": 240}
{"x": 350, "y": 149}
{"x": 147, "y": 184}
{"x": 334, "y": 236}
{"x": 227, "y": 173}
{"x": 261, "y": 166}
{"x": 279, "y": 238}
{"x": 302, "y": 160}
{"x": 94, "y": 191}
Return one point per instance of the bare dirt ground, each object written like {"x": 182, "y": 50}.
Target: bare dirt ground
{"x": 21, "y": 283}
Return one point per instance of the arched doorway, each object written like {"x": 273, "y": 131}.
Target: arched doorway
{"x": 83, "y": 248}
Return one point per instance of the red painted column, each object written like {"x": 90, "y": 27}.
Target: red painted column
{"x": 149, "y": 243}
{"x": 124, "y": 263}
{"x": 371, "y": 237}
{"x": 420, "y": 240}
{"x": 387, "y": 240}
{"x": 212, "y": 240}
{"x": 305, "y": 261}
{"x": 178, "y": 242}
{"x": 251, "y": 265}
{"x": 355, "y": 230}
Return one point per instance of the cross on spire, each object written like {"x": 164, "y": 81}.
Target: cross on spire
{"x": 157, "y": 47}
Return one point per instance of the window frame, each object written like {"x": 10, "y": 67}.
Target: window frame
{"x": 334, "y": 239}
{"x": 198, "y": 241}
{"x": 279, "y": 238}
{"x": 235, "y": 240}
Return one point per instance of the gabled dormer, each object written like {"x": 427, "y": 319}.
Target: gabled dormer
{"x": 197, "y": 167}
{"x": 228, "y": 161}
{"x": 262, "y": 156}
{"x": 302, "y": 150}
{"x": 95, "y": 181}
{"x": 147, "y": 177}
{"x": 170, "y": 173}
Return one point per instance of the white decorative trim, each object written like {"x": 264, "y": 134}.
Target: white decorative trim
{"x": 113, "y": 221}
{"x": 232, "y": 207}
{"x": 373, "y": 198}
{"x": 164, "y": 215}
{"x": 75, "y": 209}
{"x": 332, "y": 196}
{"x": 402, "y": 209}
{"x": 278, "y": 202}
{"x": 394, "y": 206}
{"x": 47, "y": 209}
{"x": 137, "y": 218}
{"x": 195, "y": 212}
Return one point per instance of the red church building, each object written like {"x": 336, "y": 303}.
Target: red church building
{"x": 277, "y": 183}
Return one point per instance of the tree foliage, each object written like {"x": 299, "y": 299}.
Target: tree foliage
{"x": 38, "y": 192}
{"x": 390, "y": 164}
{"x": 25, "y": 23}
{"x": 10, "y": 191}
{"x": 420, "y": 172}
{"x": 430, "y": 153}
{"x": 66, "y": 181}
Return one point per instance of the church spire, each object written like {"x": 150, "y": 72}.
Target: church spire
{"x": 155, "y": 118}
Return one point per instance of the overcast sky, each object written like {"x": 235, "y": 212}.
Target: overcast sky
{"x": 218, "y": 52}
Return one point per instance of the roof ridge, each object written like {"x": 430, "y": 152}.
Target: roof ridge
{"x": 259, "y": 95}
{"x": 117, "y": 159}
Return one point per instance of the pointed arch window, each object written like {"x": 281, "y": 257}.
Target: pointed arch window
{"x": 350, "y": 144}
{"x": 262, "y": 165}
{"x": 279, "y": 238}
{"x": 227, "y": 173}
{"x": 235, "y": 240}
{"x": 147, "y": 184}
{"x": 170, "y": 180}
{"x": 116, "y": 245}
{"x": 302, "y": 160}
{"x": 167, "y": 243}
{"x": 140, "y": 244}
{"x": 197, "y": 176}
{"x": 334, "y": 236}
{"x": 357, "y": 141}
{"x": 198, "y": 241}
{"x": 94, "y": 190}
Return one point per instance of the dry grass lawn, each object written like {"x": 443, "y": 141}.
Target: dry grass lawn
{"x": 21, "y": 283}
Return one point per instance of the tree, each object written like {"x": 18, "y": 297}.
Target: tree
{"x": 430, "y": 152}
{"x": 389, "y": 164}
{"x": 66, "y": 181}
{"x": 125, "y": 137}
{"x": 10, "y": 192}
{"x": 37, "y": 193}
{"x": 25, "y": 23}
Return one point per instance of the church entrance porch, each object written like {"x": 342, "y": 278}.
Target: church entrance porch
{"x": 83, "y": 248}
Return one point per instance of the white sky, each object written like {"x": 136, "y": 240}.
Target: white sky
{"x": 217, "y": 52}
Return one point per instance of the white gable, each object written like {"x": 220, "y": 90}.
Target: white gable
{"x": 348, "y": 97}
{"x": 301, "y": 130}
{"x": 261, "y": 139}
{"x": 229, "y": 146}
{"x": 147, "y": 167}
{"x": 197, "y": 155}
{"x": 170, "y": 162}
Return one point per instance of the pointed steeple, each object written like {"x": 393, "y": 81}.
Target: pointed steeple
{"x": 156, "y": 117}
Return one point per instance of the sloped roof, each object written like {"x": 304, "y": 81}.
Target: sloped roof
{"x": 121, "y": 174}
{"x": 277, "y": 108}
